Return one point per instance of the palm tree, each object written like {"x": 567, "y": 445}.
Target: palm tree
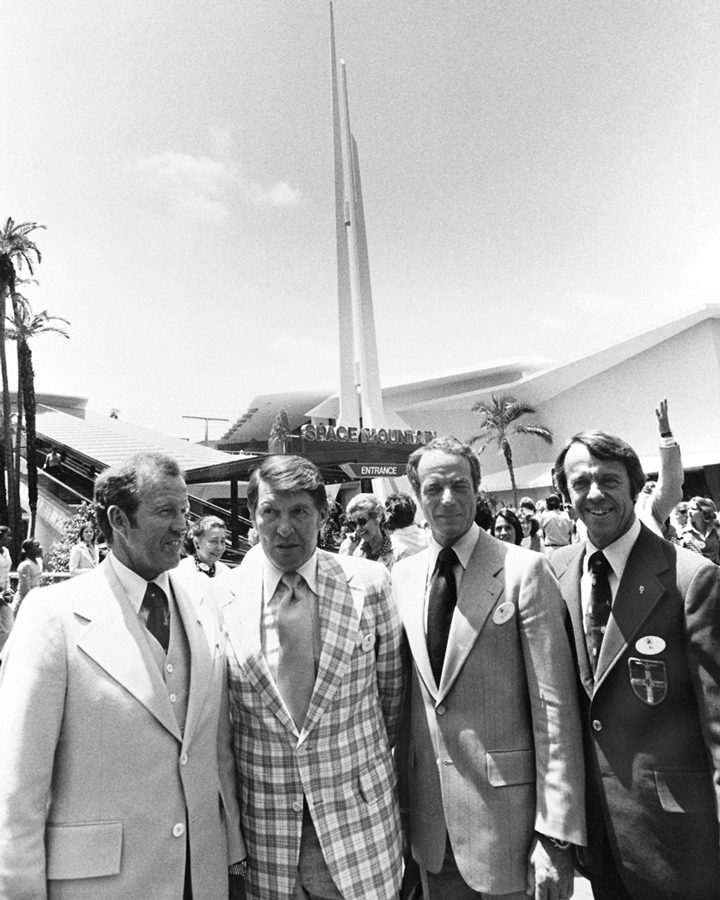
{"x": 499, "y": 420}
{"x": 25, "y": 326}
{"x": 16, "y": 250}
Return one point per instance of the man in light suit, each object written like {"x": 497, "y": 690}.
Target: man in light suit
{"x": 316, "y": 684}
{"x": 117, "y": 773}
{"x": 646, "y": 622}
{"x": 491, "y": 757}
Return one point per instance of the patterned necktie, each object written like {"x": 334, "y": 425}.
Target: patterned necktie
{"x": 441, "y": 605}
{"x": 598, "y": 611}
{"x": 155, "y": 602}
{"x": 296, "y": 661}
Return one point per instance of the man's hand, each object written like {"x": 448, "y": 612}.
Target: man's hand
{"x": 662, "y": 417}
{"x": 550, "y": 871}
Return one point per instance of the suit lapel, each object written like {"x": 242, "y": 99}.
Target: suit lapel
{"x": 339, "y": 621}
{"x": 202, "y": 634}
{"x": 569, "y": 573}
{"x": 479, "y": 591}
{"x": 411, "y": 603}
{"x": 114, "y": 639}
{"x": 243, "y": 615}
{"x": 638, "y": 593}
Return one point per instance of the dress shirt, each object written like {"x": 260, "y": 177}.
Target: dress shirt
{"x": 269, "y": 631}
{"x": 135, "y": 586}
{"x": 617, "y": 555}
{"x": 464, "y": 548}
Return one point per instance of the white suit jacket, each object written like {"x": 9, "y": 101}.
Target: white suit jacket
{"x": 341, "y": 761}
{"x": 495, "y": 751}
{"x": 99, "y": 786}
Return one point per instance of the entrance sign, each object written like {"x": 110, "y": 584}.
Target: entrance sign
{"x": 380, "y": 470}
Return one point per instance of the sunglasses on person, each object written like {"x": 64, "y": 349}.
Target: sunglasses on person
{"x": 361, "y": 521}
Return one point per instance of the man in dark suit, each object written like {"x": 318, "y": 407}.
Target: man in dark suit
{"x": 646, "y": 624}
{"x": 491, "y": 757}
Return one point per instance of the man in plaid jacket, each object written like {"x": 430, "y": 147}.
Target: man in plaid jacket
{"x": 316, "y": 687}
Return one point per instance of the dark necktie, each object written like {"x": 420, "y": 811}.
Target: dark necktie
{"x": 598, "y": 611}
{"x": 441, "y": 605}
{"x": 155, "y": 602}
{"x": 296, "y": 662}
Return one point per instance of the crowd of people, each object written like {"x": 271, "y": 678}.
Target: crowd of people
{"x": 435, "y": 708}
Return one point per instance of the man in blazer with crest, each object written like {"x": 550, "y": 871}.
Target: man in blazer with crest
{"x": 117, "y": 771}
{"x": 316, "y": 687}
{"x": 648, "y": 660}
{"x": 490, "y": 761}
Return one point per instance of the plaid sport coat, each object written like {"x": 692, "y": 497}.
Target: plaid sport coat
{"x": 341, "y": 761}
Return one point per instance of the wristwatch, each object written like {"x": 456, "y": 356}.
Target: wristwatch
{"x": 238, "y": 869}
{"x": 558, "y": 845}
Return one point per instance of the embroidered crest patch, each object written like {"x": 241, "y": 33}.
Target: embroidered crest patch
{"x": 648, "y": 679}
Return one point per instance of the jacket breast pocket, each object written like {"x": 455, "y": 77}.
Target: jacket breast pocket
{"x": 86, "y": 850}
{"x": 680, "y": 791}
{"x": 505, "y": 767}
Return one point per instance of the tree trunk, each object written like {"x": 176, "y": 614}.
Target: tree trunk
{"x": 507, "y": 450}
{"x": 28, "y": 387}
{"x": 18, "y": 427}
{"x": 7, "y": 428}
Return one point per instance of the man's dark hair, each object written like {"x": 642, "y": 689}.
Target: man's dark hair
{"x": 449, "y": 445}
{"x": 121, "y": 486}
{"x": 288, "y": 474}
{"x": 603, "y": 446}
{"x": 552, "y": 501}
{"x": 400, "y": 510}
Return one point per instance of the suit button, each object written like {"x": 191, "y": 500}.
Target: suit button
{"x": 173, "y": 698}
{"x": 183, "y": 759}
{"x": 179, "y": 830}
{"x": 297, "y": 806}
{"x": 169, "y": 667}
{"x": 440, "y": 710}
{"x": 597, "y": 724}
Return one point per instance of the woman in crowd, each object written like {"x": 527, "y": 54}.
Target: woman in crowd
{"x": 6, "y": 596}
{"x": 366, "y": 515}
{"x": 507, "y": 527}
{"x": 30, "y": 569}
{"x": 532, "y": 540}
{"x": 406, "y": 537}
{"x": 84, "y": 555}
{"x": 207, "y": 538}
{"x": 700, "y": 533}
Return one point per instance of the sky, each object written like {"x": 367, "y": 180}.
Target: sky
{"x": 539, "y": 179}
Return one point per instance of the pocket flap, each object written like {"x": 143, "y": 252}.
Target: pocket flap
{"x": 684, "y": 792}
{"x": 86, "y": 850}
{"x": 510, "y": 767}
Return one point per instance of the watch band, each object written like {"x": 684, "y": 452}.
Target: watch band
{"x": 559, "y": 845}
{"x": 238, "y": 869}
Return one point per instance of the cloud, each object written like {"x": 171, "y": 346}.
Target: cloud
{"x": 204, "y": 188}
{"x": 280, "y": 194}
{"x": 197, "y": 185}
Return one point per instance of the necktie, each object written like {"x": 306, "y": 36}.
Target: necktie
{"x": 598, "y": 611}
{"x": 441, "y": 605}
{"x": 155, "y": 602}
{"x": 296, "y": 661}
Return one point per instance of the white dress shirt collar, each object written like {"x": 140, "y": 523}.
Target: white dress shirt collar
{"x": 272, "y": 575}
{"x": 463, "y": 547}
{"x": 618, "y": 552}
{"x": 133, "y": 584}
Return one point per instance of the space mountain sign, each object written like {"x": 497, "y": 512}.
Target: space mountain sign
{"x": 350, "y": 435}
